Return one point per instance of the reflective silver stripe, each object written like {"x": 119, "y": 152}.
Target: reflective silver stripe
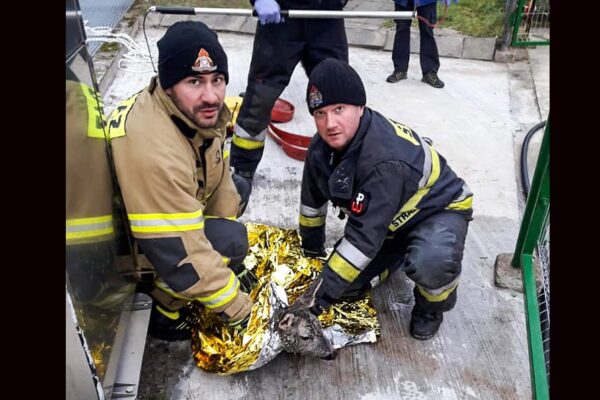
{"x": 89, "y": 227}
{"x": 241, "y": 133}
{"x": 353, "y": 255}
{"x": 465, "y": 192}
{"x": 313, "y": 212}
{"x": 426, "y": 164}
{"x": 166, "y": 222}
{"x": 437, "y": 291}
{"x": 223, "y": 296}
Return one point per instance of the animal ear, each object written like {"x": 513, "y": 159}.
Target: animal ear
{"x": 286, "y": 322}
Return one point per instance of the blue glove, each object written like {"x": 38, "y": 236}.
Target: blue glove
{"x": 268, "y": 11}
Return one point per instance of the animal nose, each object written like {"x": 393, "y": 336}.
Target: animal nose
{"x": 331, "y": 356}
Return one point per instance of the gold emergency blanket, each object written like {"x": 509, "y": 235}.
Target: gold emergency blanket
{"x": 283, "y": 274}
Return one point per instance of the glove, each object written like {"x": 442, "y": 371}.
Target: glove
{"x": 240, "y": 326}
{"x": 268, "y": 11}
{"x": 320, "y": 303}
{"x": 246, "y": 277}
{"x": 314, "y": 253}
{"x": 447, "y": 2}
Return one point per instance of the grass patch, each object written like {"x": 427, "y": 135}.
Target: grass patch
{"x": 109, "y": 47}
{"x": 479, "y": 18}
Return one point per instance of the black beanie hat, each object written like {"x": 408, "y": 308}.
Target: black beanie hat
{"x": 331, "y": 82}
{"x": 189, "y": 48}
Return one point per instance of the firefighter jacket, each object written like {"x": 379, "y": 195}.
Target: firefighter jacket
{"x": 173, "y": 175}
{"x": 386, "y": 180}
{"x": 310, "y": 4}
{"x": 88, "y": 181}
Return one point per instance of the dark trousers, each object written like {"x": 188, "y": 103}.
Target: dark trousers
{"x": 430, "y": 254}
{"x": 429, "y": 57}
{"x": 277, "y": 50}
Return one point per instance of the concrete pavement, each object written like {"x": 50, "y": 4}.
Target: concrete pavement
{"x": 477, "y": 122}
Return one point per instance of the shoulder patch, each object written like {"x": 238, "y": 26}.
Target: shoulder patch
{"x": 116, "y": 122}
{"x": 359, "y": 204}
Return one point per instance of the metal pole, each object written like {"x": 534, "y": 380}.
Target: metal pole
{"x": 246, "y": 12}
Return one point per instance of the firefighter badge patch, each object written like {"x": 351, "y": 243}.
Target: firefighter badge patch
{"x": 359, "y": 204}
{"x": 203, "y": 62}
{"x": 315, "y": 98}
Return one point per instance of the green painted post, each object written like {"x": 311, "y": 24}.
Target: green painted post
{"x": 517, "y": 21}
{"x": 534, "y": 223}
{"x": 539, "y": 379}
{"x": 538, "y": 203}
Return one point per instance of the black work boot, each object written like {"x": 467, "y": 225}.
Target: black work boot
{"x": 170, "y": 325}
{"x": 432, "y": 79}
{"x": 423, "y": 324}
{"x": 396, "y": 76}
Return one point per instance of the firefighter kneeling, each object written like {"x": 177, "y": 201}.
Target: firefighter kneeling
{"x": 168, "y": 148}
{"x": 406, "y": 208}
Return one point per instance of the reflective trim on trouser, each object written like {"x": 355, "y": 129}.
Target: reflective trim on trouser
{"x": 437, "y": 295}
{"x": 312, "y": 222}
{"x": 313, "y": 212}
{"x": 435, "y": 306}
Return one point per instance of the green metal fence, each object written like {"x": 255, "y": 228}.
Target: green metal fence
{"x": 534, "y": 242}
{"x": 531, "y": 24}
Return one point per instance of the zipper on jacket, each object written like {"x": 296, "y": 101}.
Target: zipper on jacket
{"x": 202, "y": 149}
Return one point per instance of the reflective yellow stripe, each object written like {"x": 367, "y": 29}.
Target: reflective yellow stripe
{"x": 434, "y": 298}
{"x": 85, "y": 228}
{"x": 343, "y": 268}
{"x": 226, "y": 154}
{"x": 409, "y": 209}
{"x": 247, "y": 144}
{"x": 95, "y": 113}
{"x": 223, "y": 296}
{"x": 171, "y": 315}
{"x": 156, "y": 222}
{"x": 312, "y": 221}
{"x": 465, "y": 204}
{"x": 225, "y": 260}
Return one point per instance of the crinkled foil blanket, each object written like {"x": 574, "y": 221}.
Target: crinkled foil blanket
{"x": 283, "y": 274}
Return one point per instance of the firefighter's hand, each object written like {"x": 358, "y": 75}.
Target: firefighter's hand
{"x": 246, "y": 277}
{"x": 240, "y": 326}
{"x": 268, "y": 11}
{"x": 315, "y": 253}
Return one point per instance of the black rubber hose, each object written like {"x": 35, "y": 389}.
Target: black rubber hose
{"x": 525, "y": 183}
